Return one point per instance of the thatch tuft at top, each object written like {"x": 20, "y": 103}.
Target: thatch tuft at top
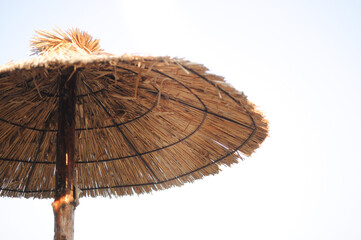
{"x": 72, "y": 41}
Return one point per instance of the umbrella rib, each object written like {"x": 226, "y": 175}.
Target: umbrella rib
{"x": 205, "y": 110}
{"x": 26, "y": 127}
{"x": 27, "y": 191}
{"x": 212, "y": 113}
{"x": 225, "y": 92}
{"x": 124, "y": 136}
{"x": 24, "y": 161}
{"x": 78, "y": 96}
{"x": 47, "y": 122}
{"x": 138, "y": 155}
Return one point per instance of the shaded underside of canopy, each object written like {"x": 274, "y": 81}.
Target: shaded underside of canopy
{"x": 142, "y": 124}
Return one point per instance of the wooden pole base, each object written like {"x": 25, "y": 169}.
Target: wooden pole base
{"x": 63, "y": 219}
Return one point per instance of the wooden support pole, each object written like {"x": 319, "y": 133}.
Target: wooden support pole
{"x": 64, "y": 204}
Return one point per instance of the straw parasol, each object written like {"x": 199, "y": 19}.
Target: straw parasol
{"x": 76, "y": 121}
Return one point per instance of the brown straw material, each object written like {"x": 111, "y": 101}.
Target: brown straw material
{"x": 142, "y": 123}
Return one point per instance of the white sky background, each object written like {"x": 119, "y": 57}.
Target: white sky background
{"x": 299, "y": 61}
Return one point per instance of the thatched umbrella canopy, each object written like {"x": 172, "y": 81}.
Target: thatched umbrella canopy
{"x": 123, "y": 124}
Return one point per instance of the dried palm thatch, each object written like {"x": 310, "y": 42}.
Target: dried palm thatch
{"x": 142, "y": 123}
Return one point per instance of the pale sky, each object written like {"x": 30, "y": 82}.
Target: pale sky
{"x": 299, "y": 61}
